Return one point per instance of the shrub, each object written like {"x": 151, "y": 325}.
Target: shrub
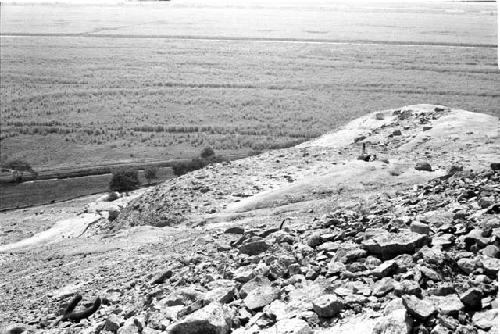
{"x": 124, "y": 180}
{"x": 207, "y": 152}
{"x": 150, "y": 173}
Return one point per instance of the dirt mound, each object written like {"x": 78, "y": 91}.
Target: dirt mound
{"x": 402, "y": 236}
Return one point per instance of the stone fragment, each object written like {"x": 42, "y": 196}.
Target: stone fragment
{"x": 472, "y": 298}
{"x": 327, "y": 306}
{"x": 254, "y": 284}
{"x": 442, "y": 289}
{"x": 387, "y": 268}
{"x": 495, "y": 166}
{"x": 487, "y": 320}
{"x": 425, "y": 166}
{"x": 429, "y": 273}
{"x": 447, "y": 305}
{"x": 289, "y": 326}
{"x": 235, "y": 230}
{"x": 491, "y": 251}
{"x": 348, "y": 254}
{"x": 407, "y": 287}
{"x": 396, "y": 322}
{"x": 243, "y": 274}
{"x": 315, "y": 240}
{"x": 389, "y": 245}
{"x": 260, "y": 297}
{"x": 162, "y": 277}
{"x": 213, "y": 318}
{"x": 420, "y": 228}
{"x": 419, "y": 308}
{"x": 254, "y": 247}
{"x": 491, "y": 266}
{"x": 467, "y": 265}
{"x": 383, "y": 287}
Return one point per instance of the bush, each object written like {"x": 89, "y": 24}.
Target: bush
{"x": 181, "y": 168}
{"x": 207, "y": 152}
{"x": 124, "y": 180}
{"x": 150, "y": 173}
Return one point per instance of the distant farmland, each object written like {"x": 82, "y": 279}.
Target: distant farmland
{"x": 83, "y": 100}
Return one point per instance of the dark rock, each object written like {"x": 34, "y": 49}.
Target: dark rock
{"x": 425, "y": 166}
{"x": 495, "y": 165}
{"x": 162, "y": 277}
{"x": 254, "y": 247}
{"x": 472, "y": 298}
{"x": 235, "y": 230}
{"x": 420, "y": 228}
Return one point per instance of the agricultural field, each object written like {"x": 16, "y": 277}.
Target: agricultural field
{"x": 126, "y": 83}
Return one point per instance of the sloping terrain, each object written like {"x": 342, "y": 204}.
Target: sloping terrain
{"x": 303, "y": 240}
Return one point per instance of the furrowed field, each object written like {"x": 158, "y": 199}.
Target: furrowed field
{"x": 92, "y": 99}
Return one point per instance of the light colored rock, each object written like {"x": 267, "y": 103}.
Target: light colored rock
{"x": 420, "y": 309}
{"x": 327, "y": 306}
{"x": 289, "y": 326}
{"x": 396, "y": 322}
{"x": 213, "y": 318}
{"x": 388, "y": 245}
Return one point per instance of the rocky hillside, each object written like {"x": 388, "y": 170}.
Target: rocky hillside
{"x": 321, "y": 238}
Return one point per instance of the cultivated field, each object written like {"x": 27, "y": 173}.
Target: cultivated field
{"x": 136, "y": 82}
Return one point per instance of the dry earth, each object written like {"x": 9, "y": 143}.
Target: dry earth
{"x": 302, "y": 240}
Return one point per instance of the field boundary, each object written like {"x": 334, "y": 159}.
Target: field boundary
{"x": 255, "y": 39}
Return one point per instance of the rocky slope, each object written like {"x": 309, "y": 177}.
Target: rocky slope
{"x": 303, "y": 240}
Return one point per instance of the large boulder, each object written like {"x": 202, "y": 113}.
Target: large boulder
{"x": 212, "y": 319}
{"x": 388, "y": 245}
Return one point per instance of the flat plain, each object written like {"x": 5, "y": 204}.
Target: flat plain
{"x": 96, "y": 84}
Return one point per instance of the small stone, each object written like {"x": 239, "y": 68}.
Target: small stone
{"x": 396, "y": 322}
{"x": 425, "y": 166}
{"x": 383, "y": 287}
{"x": 162, "y": 277}
{"x": 442, "y": 289}
{"x": 260, "y": 297}
{"x": 420, "y": 228}
{"x": 420, "y": 309}
{"x": 396, "y": 132}
{"x": 447, "y": 305}
{"x": 491, "y": 251}
{"x": 491, "y": 266}
{"x": 254, "y": 247}
{"x": 235, "y": 230}
{"x": 327, "y": 306}
{"x": 430, "y": 274}
{"x": 289, "y": 326}
{"x": 385, "y": 269}
{"x": 315, "y": 240}
{"x": 426, "y": 128}
{"x": 495, "y": 165}
{"x": 407, "y": 287}
{"x": 487, "y": 320}
{"x": 213, "y": 318}
{"x": 467, "y": 265}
